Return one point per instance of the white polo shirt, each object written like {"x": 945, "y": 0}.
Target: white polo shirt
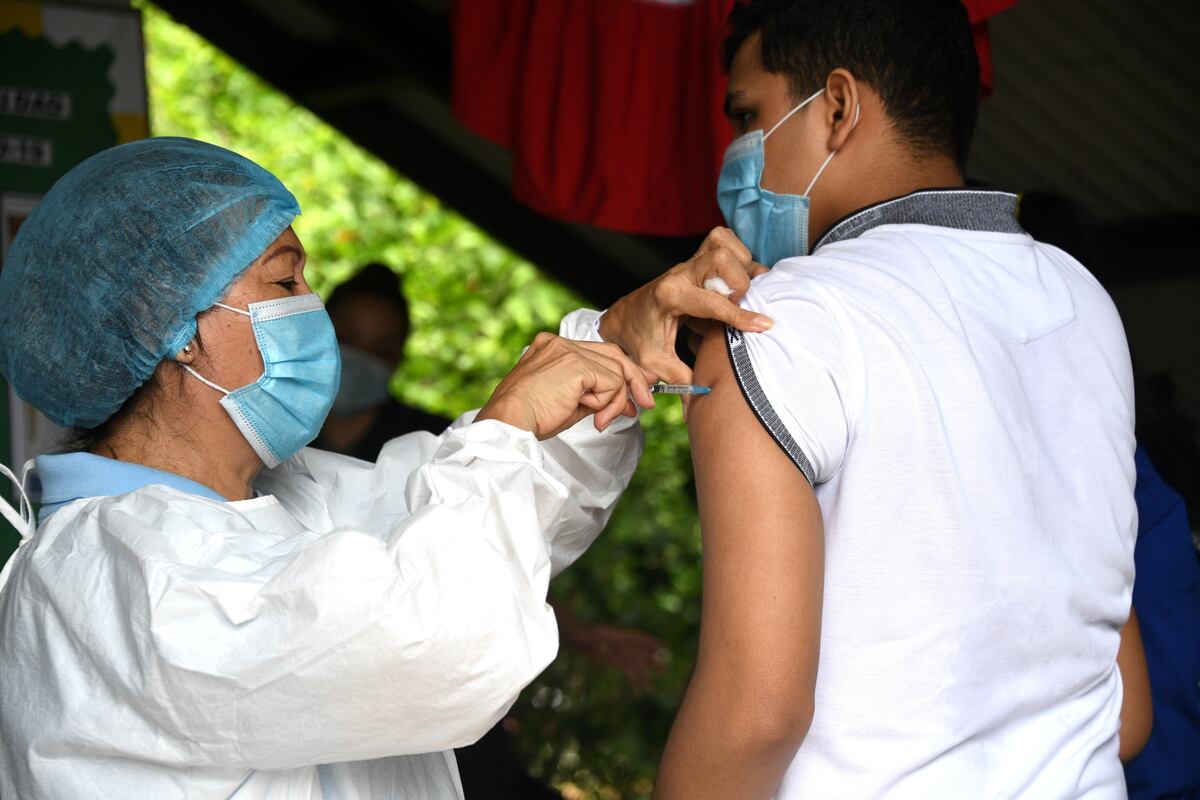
{"x": 961, "y": 397}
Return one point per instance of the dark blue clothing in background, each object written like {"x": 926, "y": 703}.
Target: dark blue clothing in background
{"x": 1166, "y": 594}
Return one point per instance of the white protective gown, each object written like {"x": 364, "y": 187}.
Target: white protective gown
{"x": 332, "y": 638}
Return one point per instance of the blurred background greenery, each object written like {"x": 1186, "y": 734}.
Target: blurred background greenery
{"x": 474, "y": 306}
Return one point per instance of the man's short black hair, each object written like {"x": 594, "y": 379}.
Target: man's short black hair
{"x": 375, "y": 280}
{"x": 918, "y": 55}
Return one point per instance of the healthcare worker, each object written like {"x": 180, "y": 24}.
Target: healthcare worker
{"x": 181, "y": 622}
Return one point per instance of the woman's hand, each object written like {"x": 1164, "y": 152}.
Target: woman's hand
{"x": 703, "y": 289}
{"x": 558, "y": 382}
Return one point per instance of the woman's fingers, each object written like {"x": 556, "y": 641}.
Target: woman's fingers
{"x": 605, "y": 389}
{"x": 558, "y": 382}
{"x": 724, "y": 271}
{"x": 591, "y": 401}
{"x": 723, "y": 238}
{"x": 723, "y": 264}
{"x": 671, "y": 370}
{"x": 730, "y": 241}
{"x": 645, "y": 322}
{"x": 618, "y": 403}
{"x": 695, "y": 302}
{"x": 682, "y": 294}
{"x": 636, "y": 379}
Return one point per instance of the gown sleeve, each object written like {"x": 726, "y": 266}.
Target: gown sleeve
{"x": 199, "y": 638}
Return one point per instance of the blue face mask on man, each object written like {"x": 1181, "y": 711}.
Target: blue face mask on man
{"x": 364, "y": 385}
{"x": 285, "y": 408}
{"x": 774, "y": 226}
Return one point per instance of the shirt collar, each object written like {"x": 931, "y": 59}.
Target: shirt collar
{"x": 986, "y": 210}
{"x": 65, "y": 477}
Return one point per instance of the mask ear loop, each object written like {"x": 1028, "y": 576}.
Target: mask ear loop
{"x": 203, "y": 379}
{"x": 21, "y": 518}
{"x": 26, "y": 504}
{"x": 231, "y": 308}
{"x": 786, "y": 116}
{"x": 200, "y": 377}
{"x": 832, "y": 153}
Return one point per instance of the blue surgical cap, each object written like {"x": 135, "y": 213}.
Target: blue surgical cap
{"x": 106, "y": 276}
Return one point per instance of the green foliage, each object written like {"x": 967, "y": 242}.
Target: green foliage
{"x": 474, "y": 306}
{"x": 643, "y": 573}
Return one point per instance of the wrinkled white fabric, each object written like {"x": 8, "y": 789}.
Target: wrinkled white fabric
{"x": 328, "y": 639}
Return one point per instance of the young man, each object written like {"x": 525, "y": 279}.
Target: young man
{"x": 916, "y": 489}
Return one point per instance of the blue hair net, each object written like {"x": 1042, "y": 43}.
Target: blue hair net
{"x": 106, "y": 276}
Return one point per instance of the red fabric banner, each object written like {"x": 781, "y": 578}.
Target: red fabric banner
{"x": 611, "y": 108}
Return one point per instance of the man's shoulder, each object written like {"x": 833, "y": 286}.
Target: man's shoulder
{"x": 858, "y": 273}
{"x": 863, "y": 262}
{"x": 917, "y": 270}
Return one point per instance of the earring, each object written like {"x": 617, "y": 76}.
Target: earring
{"x": 187, "y": 349}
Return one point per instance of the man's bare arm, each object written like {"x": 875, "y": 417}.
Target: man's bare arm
{"x": 750, "y": 700}
{"x": 1137, "y": 709}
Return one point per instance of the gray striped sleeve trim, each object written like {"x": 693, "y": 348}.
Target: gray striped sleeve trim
{"x": 757, "y": 398}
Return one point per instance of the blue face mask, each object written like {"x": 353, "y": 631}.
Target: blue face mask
{"x": 773, "y": 226}
{"x": 365, "y": 380}
{"x": 284, "y": 409}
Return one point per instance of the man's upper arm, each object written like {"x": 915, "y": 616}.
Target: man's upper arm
{"x": 763, "y": 552}
{"x": 1137, "y": 707}
{"x": 773, "y": 425}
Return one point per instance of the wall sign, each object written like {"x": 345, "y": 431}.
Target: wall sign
{"x": 72, "y": 83}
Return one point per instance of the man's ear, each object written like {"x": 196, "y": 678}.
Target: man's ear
{"x": 843, "y": 106}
